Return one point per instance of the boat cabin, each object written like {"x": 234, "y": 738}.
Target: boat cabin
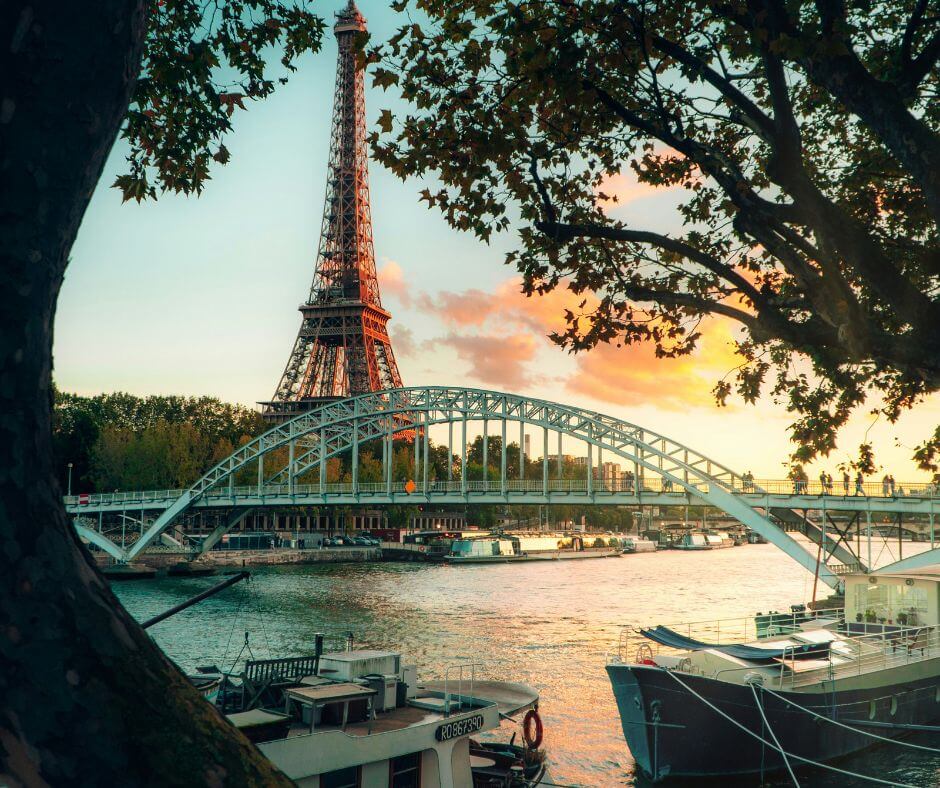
{"x": 885, "y": 600}
{"x": 361, "y": 719}
{"x": 484, "y": 547}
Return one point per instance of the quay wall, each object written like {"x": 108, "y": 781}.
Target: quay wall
{"x": 164, "y": 560}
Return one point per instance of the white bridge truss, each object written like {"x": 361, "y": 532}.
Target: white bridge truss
{"x": 667, "y": 473}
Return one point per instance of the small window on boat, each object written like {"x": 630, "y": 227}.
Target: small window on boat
{"x": 872, "y": 709}
{"x": 894, "y": 705}
{"x": 350, "y": 777}
{"x": 936, "y": 695}
{"x": 405, "y": 771}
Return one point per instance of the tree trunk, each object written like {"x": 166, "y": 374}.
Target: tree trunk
{"x": 85, "y": 696}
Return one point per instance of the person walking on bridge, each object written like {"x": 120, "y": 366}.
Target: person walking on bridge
{"x": 859, "y": 484}
{"x": 891, "y": 484}
{"x": 885, "y": 485}
{"x": 845, "y": 480}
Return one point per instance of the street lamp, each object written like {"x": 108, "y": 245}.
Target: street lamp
{"x": 70, "y": 479}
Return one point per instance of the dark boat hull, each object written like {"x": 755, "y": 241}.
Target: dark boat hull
{"x": 673, "y": 734}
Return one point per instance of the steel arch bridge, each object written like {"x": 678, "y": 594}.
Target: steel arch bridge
{"x": 290, "y": 464}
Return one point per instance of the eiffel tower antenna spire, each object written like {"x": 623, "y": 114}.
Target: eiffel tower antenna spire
{"x": 342, "y": 348}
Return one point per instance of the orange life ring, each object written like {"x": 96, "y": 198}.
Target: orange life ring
{"x": 532, "y": 738}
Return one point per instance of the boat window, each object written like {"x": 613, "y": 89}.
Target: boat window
{"x": 891, "y": 603}
{"x": 872, "y": 708}
{"x": 350, "y": 777}
{"x": 405, "y": 771}
{"x": 894, "y": 705}
{"x": 936, "y": 696}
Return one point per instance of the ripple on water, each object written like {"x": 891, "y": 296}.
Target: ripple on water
{"x": 549, "y": 625}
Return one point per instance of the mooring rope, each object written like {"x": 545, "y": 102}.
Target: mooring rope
{"x": 899, "y": 742}
{"x": 763, "y": 716}
{"x": 751, "y": 733}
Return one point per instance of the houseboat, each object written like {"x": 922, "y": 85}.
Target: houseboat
{"x": 632, "y": 544}
{"x": 715, "y": 699}
{"x": 692, "y": 541}
{"x": 362, "y": 718}
{"x": 513, "y": 546}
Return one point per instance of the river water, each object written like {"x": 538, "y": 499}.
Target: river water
{"x": 546, "y": 624}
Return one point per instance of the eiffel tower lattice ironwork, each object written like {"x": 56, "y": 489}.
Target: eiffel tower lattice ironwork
{"x": 343, "y": 347}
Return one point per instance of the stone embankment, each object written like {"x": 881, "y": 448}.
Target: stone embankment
{"x": 165, "y": 560}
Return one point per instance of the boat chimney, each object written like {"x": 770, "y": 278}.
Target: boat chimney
{"x": 317, "y": 652}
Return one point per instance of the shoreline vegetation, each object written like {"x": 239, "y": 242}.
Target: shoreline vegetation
{"x": 118, "y": 442}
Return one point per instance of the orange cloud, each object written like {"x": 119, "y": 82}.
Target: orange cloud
{"x": 498, "y": 360}
{"x": 633, "y": 375}
{"x": 505, "y": 307}
{"x": 500, "y": 334}
{"x": 392, "y": 282}
{"x": 623, "y": 187}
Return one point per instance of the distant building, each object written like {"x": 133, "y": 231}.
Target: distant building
{"x": 434, "y": 521}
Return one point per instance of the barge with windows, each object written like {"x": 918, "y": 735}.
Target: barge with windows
{"x": 728, "y": 697}
{"x": 362, "y": 719}
{"x": 513, "y": 546}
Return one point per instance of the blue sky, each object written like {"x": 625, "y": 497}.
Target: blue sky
{"x": 200, "y": 295}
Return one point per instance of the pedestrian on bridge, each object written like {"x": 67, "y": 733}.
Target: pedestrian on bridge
{"x": 845, "y": 480}
{"x": 822, "y": 482}
{"x": 885, "y": 485}
{"x": 859, "y": 484}
{"x": 891, "y": 484}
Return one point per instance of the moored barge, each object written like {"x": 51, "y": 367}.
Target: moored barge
{"x": 716, "y": 698}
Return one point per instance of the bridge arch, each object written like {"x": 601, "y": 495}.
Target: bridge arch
{"x": 342, "y": 426}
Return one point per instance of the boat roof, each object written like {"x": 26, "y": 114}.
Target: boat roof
{"x": 931, "y": 573}
{"x": 508, "y": 695}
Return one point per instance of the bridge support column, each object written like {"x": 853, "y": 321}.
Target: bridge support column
{"x": 354, "y": 463}
{"x": 425, "y": 441}
{"x": 545, "y": 462}
{"x": 260, "y": 474}
{"x": 463, "y": 451}
{"x": 931, "y": 531}
{"x": 486, "y": 455}
{"x": 868, "y": 536}
{"x": 590, "y": 462}
{"x": 415, "y": 477}
{"x": 561, "y": 462}
{"x": 502, "y": 453}
{"x": 233, "y": 519}
{"x": 389, "y": 456}
{"x": 322, "y": 461}
{"x": 450, "y": 451}
{"x": 522, "y": 448}
{"x": 290, "y": 468}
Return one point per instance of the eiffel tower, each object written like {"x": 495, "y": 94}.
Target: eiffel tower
{"x": 342, "y": 348}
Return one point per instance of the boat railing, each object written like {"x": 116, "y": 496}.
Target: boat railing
{"x": 875, "y": 647}
{"x": 461, "y": 676}
{"x": 744, "y": 629}
{"x": 868, "y": 651}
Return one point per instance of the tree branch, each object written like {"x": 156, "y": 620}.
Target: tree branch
{"x": 565, "y": 232}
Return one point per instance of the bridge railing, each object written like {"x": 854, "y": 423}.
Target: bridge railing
{"x": 840, "y": 488}
{"x": 599, "y": 486}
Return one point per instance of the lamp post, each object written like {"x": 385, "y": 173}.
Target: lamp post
{"x": 70, "y": 479}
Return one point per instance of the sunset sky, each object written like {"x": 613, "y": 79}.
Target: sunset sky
{"x": 200, "y": 296}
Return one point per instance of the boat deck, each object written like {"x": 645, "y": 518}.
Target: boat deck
{"x": 852, "y": 651}
{"x": 508, "y": 696}
{"x": 393, "y": 720}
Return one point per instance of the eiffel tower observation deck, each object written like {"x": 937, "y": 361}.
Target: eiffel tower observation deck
{"x": 343, "y": 347}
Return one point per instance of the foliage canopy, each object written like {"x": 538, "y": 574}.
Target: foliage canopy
{"x": 201, "y": 62}
{"x": 802, "y": 136}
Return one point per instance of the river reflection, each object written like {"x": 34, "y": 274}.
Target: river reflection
{"x": 546, "y": 624}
